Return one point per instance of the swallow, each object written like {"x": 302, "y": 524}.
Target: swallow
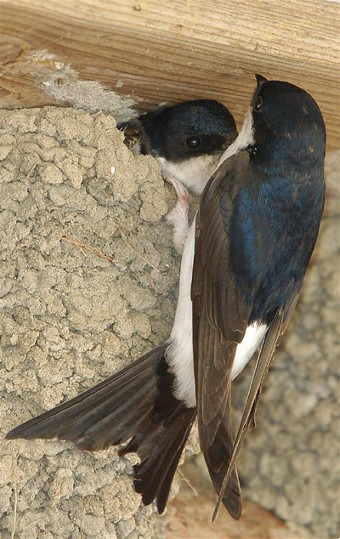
{"x": 188, "y": 140}
{"x": 242, "y": 269}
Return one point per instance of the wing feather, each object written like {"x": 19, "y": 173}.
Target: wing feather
{"x": 260, "y": 372}
{"x": 220, "y": 319}
{"x": 219, "y": 322}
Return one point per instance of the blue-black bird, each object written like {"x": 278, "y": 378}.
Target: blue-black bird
{"x": 242, "y": 269}
{"x": 188, "y": 140}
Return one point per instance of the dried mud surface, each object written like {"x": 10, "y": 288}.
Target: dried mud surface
{"x": 88, "y": 282}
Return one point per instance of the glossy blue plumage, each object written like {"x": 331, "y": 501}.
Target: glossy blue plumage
{"x": 272, "y": 235}
{"x": 276, "y": 215}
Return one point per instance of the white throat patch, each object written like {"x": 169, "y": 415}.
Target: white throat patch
{"x": 193, "y": 172}
{"x": 244, "y": 139}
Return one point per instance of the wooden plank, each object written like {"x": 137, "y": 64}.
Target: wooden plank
{"x": 160, "y": 52}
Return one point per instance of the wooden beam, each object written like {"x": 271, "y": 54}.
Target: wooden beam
{"x": 158, "y": 51}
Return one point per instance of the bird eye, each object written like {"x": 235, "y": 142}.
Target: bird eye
{"x": 258, "y": 105}
{"x": 194, "y": 142}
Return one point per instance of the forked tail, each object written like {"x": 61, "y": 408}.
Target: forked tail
{"x": 135, "y": 404}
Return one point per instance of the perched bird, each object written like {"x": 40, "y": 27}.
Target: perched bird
{"x": 242, "y": 269}
{"x": 188, "y": 140}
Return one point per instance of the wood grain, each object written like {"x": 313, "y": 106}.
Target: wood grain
{"x": 168, "y": 51}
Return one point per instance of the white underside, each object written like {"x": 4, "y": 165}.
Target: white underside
{"x": 193, "y": 173}
{"x": 179, "y": 353}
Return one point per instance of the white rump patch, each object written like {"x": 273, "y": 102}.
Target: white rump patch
{"x": 246, "y": 349}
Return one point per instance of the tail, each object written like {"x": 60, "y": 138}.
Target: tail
{"x": 217, "y": 458}
{"x": 135, "y": 404}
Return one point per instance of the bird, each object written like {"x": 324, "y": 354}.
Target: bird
{"x": 242, "y": 269}
{"x": 188, "y": 140}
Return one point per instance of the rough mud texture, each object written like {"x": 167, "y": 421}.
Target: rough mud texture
{"x": 88, "y": 281}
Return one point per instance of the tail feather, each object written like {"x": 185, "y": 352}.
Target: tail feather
{"x": 217, "y": 458}
{"x": 135, "y": 404}
{"x": 160, "y": 453}
{"x": 63, "y": 420}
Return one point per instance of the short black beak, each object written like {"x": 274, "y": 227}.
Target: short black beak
{"x": 133, "y": 132}
{"x": 260, "y": 80}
